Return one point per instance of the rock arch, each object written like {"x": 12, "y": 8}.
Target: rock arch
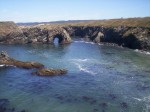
{"x": 60, "y": 33}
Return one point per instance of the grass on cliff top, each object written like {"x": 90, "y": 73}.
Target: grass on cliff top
{"x": 7, "y": 27}
{"x": 131, "y": 22}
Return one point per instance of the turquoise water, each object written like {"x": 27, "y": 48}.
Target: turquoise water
{"x": 99, "y": 79}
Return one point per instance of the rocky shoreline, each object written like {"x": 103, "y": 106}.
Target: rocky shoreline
{"x": 125, "y": 36}
{"x": 131, "y": 37}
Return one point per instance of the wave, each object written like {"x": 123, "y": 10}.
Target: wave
{"x": 144, "y": 52}
{"x": 80, "y": 60}
{"x": 84, "y": 42}
{"x": 85, "y": 69}
{"x": 147, "y": 102}
{"x": 3, "y": 65}
{"x": 138, "y": 99}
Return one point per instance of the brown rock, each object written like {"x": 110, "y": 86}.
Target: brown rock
{"x": 50, "y": 72}
{"x": 6, "y": 60}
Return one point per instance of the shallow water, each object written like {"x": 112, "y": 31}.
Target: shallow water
{"x": 99, "y": 79}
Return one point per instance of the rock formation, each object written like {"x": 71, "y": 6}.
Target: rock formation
{"x": 126, "y": 36}
{"x": 59, "y": 33}
{"x": 10, "y": 33}
{"x": 131, "y": 37}
{"x": 5, "y": 60}
{"x": 50, "y": 72}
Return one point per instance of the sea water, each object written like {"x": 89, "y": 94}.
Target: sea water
{"x": 100, "y": 79}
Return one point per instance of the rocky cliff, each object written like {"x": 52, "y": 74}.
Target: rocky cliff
{"x": 10, "y": 33}
{"x": 131, "y": 37}
{"x": 137, "y": 37}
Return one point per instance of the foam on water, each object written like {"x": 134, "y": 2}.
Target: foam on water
{"x": 144, "y": 52}
{"x": 84, "y": 42}
{"x": 79, "y": 60}
{"x": 84, "y": 69}
{"x": 2, "y": 65}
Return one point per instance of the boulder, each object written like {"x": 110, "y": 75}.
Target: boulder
{"x": 50, "y": 72}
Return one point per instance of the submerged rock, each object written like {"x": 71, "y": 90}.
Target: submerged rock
{"x": 6, "y": 60}
{"x": 4, "y": 102}
{"x": 124, "y": 105}
{"x": 50, "y": 72}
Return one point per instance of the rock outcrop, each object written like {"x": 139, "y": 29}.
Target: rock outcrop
{"x": 10, "y": 33}
{"x": 50, "y": 72}
{"x": 7, "y": 61}
{"x": 126, "y": 36}
{"x": 131, "y": 37}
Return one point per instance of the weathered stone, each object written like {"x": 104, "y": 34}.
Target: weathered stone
{"x": 10, "y": 33}
{"x": 59, "y": 33}
{"x": 131, "y": 37}
{"x": 99, "y": 37}
{"x": 50, "y": 72}
{"x": 6, "y": 60}
{"x": 126, "y": 36}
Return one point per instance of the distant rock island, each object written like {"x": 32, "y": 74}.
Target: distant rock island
{"x": 133, "y": 33}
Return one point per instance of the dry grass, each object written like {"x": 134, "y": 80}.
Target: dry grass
{"x": 8, "y": 27}
{"x": 131, "y": 22}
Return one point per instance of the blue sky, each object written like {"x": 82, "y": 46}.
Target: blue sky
{"x": 53, "y": 10}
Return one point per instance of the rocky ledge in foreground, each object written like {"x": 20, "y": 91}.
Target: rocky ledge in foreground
{"x": 50, "y": 72}
{"x": 7, "y": 61}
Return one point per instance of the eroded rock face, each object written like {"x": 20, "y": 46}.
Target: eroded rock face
{"x": 10, "y": 33}
{"x": 131, "y": 37}
{"x": 45, "y": 34}
{"x": 59, "y": 33}
{"x": 6, "y": 60}
{"x": 50, "y": 72}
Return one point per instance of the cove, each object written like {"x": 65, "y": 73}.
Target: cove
{"x": 100, "y": 78}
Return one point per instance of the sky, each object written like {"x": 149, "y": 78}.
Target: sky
{"x": 55, "y": 10}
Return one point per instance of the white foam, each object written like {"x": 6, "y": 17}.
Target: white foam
{"x": 138, "y": 99}
{"x": 80, "y": 60}
{"x": 140, "y": 51}
{"x": 147, "y": 102}
{"x": 84, "y": 69}
{"x": 100, "y": 44}
{"x": 84, "y": 42}
{"x": 79, "y": 41}
{"x": 2, "y": 65}
{"x": 90, "y": 42}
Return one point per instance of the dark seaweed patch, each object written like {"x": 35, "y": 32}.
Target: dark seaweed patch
{"x": 124, "y": 105}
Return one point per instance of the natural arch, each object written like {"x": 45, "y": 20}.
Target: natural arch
{"x": 59, "y": 37}
{"x": 60, "y": 33}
